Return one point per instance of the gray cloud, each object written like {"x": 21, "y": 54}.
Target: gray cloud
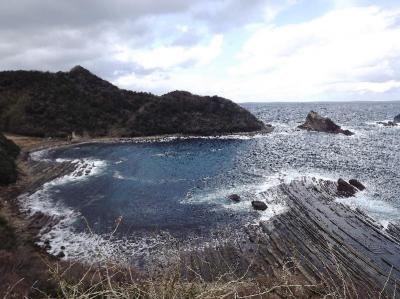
{"x": 227, "y": 14}
{"x": 27, "y": 13}
{"x": 56, "y": 35}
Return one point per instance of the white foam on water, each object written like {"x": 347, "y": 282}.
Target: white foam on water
{"x": 40, "y": 200}
{"x": 239, "y": 136}
{"x": 265, "y": 191}
{"x": 93, "y": 247}
{"x": 165, "y": 154}
{"x": 117, "y": 175}
{"x": 39, "y": 155}
{"x": 379, "y": 123}
{"x": 219, "y": 199}
{"x": 273, "y": 210}
{"x": 62, "y": 216}
{"x": 381, "y": 211}
{"x": 223, "y": 137}
{"x": 90, "y": 247}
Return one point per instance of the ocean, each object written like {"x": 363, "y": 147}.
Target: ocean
{"x": 135, "y": 200}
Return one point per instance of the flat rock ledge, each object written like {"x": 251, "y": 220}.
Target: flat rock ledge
{"x": 315, "y": 122}
{"x": 325, "y": 239}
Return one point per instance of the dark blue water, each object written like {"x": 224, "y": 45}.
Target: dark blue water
{"x": 181, "y": 186}
{"x": 149, "y": 184}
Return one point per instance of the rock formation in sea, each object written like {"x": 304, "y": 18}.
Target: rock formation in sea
{"x": 315, "y": 122}
{"x": 234, "y": 197}
{"x": 8, "y": 153}
{"x": 59, "y": 104}
{"x": 345, "y": 189}
{"x": 357, "y": 184}
{"x": 259, "y": 205}
{"x": 397, "y": 119}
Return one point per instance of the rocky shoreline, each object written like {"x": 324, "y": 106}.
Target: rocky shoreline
{"x": 319, "y": 238}
{"x": 316, "y": 236}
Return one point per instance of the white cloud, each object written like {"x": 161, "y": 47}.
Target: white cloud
{"x": 365, "y": 87}
{"x": 346, "y": 50}
{"x": 349, "y": 53}
{"x": 243, "y": 50}
{"x": 171, "y": 56}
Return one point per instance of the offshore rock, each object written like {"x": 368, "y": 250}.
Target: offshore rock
{"x": 234, "y": 197}
{"x": 357, "y": 184}
{"x": 315, "y": 122}
{"x": 259, "y": 205}
{"x": 344, "y": 189}
{"x": 397, "y": 119}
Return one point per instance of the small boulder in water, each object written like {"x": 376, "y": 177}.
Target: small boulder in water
{"x": 234, "y": 197}
{"x": 61, "y": 255}
{"x": 357, "y": 184}
{"x": 259, "y": 205}
{"x": 315, "y": 122}
{"x": 344, "y": 189}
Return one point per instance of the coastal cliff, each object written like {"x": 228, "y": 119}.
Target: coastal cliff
{"x": 48, "y": 104}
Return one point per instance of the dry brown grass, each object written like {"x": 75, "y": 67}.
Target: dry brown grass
{"x": 108, "y": 281}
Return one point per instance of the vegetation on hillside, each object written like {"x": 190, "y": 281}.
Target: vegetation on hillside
{"x": 56, "y": 104}
{"x": 8, "y": 152}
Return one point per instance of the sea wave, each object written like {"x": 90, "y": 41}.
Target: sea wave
{"x": 42, "y": 202}
{"x": 381, "y": 211}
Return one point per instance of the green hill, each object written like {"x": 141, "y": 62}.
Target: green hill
{"x": 56, "y": 104}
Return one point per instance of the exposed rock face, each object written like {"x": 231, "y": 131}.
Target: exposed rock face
{"x": 8, "y": 152}
{"x": 234, "y": 197}
{"x": 56, "y": 104}
{"x": 397, "y": 119}
{"x": 315, "y": 122}
{"x": 344, "y": 189}
{"x": 357, "y": 184}
{"x": 259, "y": 205}
{"x": 325, "y": 236}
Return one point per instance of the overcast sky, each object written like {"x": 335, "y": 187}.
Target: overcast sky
{"x": 245, "y": 50}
